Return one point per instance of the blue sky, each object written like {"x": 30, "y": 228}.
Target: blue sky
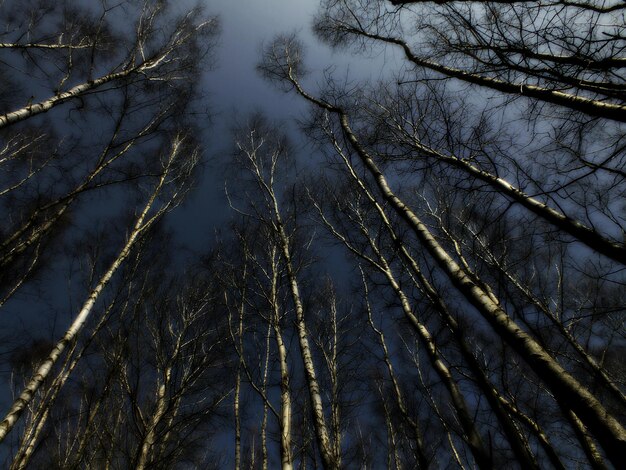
{"x": 235, "y": 89}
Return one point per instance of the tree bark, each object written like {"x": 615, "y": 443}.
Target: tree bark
{"x": 607, "y": 430}
{"x": 143, "y": 222}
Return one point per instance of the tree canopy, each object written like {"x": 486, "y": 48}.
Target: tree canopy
{"x": 422, "y": 271}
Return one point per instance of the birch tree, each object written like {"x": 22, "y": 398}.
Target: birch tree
{"x": 110, "y": 89}
{"x": 283, "y": 63}
{"x": 485, "y": 43}
{"x": 151, "y": 386}
{"x": 148, "y": 57}
{"x": 173, "y": 174}
{"x": 260, "y": 155}
{"x": 53, "y": 163}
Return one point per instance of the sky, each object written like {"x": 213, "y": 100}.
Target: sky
{"x": 235, "y": 90}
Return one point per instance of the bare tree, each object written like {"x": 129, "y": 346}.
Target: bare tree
{"x": 147, "y": 59}
{"x": 53, "y": 163}
{"x": 258, "y": 289}
{"x": 173, "y": 174}
{"x": 283, "y": 63}
{"x": 260, "y": 152}
{"x": 126, "y": 135}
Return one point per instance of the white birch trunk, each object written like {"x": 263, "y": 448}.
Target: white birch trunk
{"x": 326, "y": 448}
{"x": 285, "y": 392}
{"x": 583, "y": 233}
{"x": 321, "y": 429}
{"x": 608, "y": 431}
{"x": 150, "y": 436}
{"x": 42, "y": 372}
{"x": 616, "y": 112}
{"x": 565, "y": 387}
{"x": 76, "y": 91}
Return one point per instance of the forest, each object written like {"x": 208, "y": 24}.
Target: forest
{"x": 422, "y": 271}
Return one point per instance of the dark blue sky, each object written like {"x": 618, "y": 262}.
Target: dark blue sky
{"x": 235, "y": 89}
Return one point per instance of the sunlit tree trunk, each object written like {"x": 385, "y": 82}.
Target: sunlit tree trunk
{"x": 607, "y": 430}
{"x": 422, "y": 459}
{"x": 151, "y": 427}
{"x": 518, "y": 443}
{"x": 145, "y": 219}
{"x": 472, "y": 436}
{"x": 285, "y": 392}
{"x": 251, "y": 149}
{"x": 139, "y": 67}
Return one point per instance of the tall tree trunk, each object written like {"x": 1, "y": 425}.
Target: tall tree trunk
{"x": 422, "y": 461}
{"x": 566, "y": 388}
{"x": 149, "y": 437}
{"x": 321, "y": 430}
{"x": 587, "y": 235}
{"x": 597, "y": 108}
{"x": 143, "y": 222}
{"x": 285, "y": 392}
{"x": 607, "y": 430}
